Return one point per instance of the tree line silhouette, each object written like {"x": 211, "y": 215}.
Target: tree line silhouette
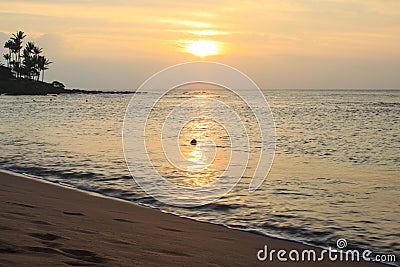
{"x": 27, "y": 63}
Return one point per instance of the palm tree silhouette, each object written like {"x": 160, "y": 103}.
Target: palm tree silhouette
{"x": 19, "y": 35}
{"x": 30, "y": 66}
{"x": 37, "y": 50}
{"x": 9, "y": 46}
{"x": 7, "y": 58}
{"x": 43, "y": 64}
{"x": 30, "y": 63}
{"x": 30, "y": 46}
{"x": 17, "y": 38}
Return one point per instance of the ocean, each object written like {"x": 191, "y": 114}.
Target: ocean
{"x": 336, "y": 172}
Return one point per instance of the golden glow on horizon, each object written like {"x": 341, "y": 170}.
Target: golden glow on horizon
{"x": 203, "y": 48}
{"x": 203, "y": 32}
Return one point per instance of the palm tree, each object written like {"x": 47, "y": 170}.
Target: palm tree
{"x": 43, "y": 64}
{"x": 7, "y": 58}
{"x": 11, "y": 49}
{"x": 30, "y": 46}
{"x": 17, "y": 38}
{"x": 37, "y": 50}
{"x": 19, "y": 35}
{"x": 8, "y": 45}
{"x": 30, "y": 63}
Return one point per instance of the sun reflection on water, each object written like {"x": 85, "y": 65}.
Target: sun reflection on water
{"x": 202, "y": 163}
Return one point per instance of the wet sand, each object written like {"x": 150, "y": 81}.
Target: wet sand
{"x": 50, "y": 225}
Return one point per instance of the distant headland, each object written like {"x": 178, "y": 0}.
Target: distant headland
{"x": 23, "y": 73}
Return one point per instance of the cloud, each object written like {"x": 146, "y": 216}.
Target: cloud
{"x": 253, "y": 34}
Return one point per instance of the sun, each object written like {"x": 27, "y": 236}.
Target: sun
{"x": 202, "y": 48}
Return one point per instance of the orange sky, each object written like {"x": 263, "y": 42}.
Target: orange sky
{"x": 279, "y": 44}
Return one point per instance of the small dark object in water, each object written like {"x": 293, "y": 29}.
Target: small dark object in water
{"x": 193, "y": 142}
{"x": 86, "y": 101}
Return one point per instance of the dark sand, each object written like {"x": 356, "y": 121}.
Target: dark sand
{"x": 51, "y": 225}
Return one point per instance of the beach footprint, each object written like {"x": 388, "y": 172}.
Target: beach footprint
{"x": 73, "y": 213}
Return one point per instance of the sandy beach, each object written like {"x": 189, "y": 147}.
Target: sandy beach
{"x": 47, "y": 224}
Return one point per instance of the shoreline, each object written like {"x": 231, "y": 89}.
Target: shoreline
{"x": 104, "y": 195}
{"x": 19, "y": 86}
{"x": 47, "y": 223}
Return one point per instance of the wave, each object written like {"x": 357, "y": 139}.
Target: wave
{"x": 146, "y": 201}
